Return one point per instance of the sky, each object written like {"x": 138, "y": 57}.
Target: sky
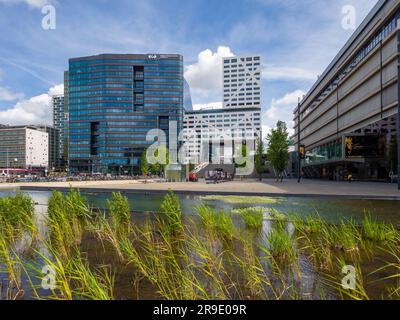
{"x": 296, "y": 39}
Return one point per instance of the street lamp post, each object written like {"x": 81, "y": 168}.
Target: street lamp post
{"x": 8, "y": 164}
{"x": 298, "y": 144}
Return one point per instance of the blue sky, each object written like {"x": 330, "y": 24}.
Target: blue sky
{"x": 296, "y": 38}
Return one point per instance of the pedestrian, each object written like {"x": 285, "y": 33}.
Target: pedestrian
{"x": 350, "y": 177}
{"x": 391, "y": 176}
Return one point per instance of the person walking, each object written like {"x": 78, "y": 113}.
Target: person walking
{"x": 350, "y": 177}
{"x": 391, "y": 176}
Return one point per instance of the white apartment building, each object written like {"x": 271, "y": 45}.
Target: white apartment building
{"x": 37, "y": 148}
{"x": 213, "y": 128}
{"x": 242, "y": 82}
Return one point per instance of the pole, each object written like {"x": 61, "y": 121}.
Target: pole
{"x": 398, "y": 104}
{"x": 8, "y": 164}
{"x": 298, "y": 144}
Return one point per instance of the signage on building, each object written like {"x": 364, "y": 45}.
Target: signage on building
{"x": 302, "y": 151}
{"x": 364, "y": 146}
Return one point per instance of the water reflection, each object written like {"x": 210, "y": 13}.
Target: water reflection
{"x": 331, "y": 210}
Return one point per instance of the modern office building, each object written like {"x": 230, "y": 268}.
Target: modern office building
{"x": 239, "y": 119}
{"x": 24, "y": 147}
{"x": 60, "y": 117}
{"x": 347, "y": 121}
{"x": 113, "y": 102}
{"x": 242, "y": 82}
{"x": 65, "y": 150}
{"x": 209, "y": 128}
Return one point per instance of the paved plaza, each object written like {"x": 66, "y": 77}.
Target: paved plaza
{"x": 314, "y": 188}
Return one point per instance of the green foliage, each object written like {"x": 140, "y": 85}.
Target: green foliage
{"x": 278, "y": 148}
{"x": 74, "y": 278}
{"x": 16, "y": 216}
{"x": 259, "y": 163}
{"x": 144, "y": 165}
{"x": 276, "y": 215}
{"x": 282, "y": 244}
{"x": 87, "y": 284}
{"x": 219, "y": 222}
{"x": 120, "y": 214}
{"x": 184, "y": 260}
{"x": 160, "y": 153}
{"x": 11, "y": 265}
{"x": 379, "y": 232}
{"x": 311, "y": 225}
{"x": 241, "y": 199}
{"x": 252, "y": 217}
{"x": 346, "y": 236}
{"x": 68, "y": 215}
{"x": 171, "y": 210}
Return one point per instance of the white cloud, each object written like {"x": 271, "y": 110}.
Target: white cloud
{"x": 57, "y": 90}
{"x": 205, "y": 76}
{"x": 7, "y": 95}
{"x": 288, "y": 73}
{"x": 31, "y": 3}
{"x": 212, "y": 105}
{"x": 282, "y": 110}
{"x": 36, "y": 110}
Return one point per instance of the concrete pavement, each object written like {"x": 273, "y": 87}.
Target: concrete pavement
{"x": 289, "y": 188}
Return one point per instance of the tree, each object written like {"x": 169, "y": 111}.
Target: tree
{"x": 144, "y": 166}
{"x": 259, "y": 158}
{"x": 160, "y": 153}
{"x": 278, "y": 149}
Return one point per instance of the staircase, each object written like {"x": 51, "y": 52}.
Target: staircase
{"x": 200, "y": 167}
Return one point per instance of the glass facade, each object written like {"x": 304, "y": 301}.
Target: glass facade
{"x": 329, "y": 152}
{"x": 114, "y": 100}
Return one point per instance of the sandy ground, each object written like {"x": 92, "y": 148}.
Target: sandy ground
{"x": 267, "y": 187}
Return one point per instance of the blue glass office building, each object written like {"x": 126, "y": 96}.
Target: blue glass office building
{"x": 114, "y": 100}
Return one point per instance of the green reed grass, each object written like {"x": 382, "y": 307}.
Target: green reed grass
{"x": 16, "y": 217}
{"x": 182, "y": 260}
{"x": 68, "y": 216}
{"x": 337, "y": 282}
{"x": 74, "y": 279}
{"x": 255, "y": 276}
{"x": 252, "y": 217}
{"x": 171, "y": 213}
{"x": 276, "y": 215}
{"x": 120, "y": 213}
{"x": 220, "y": 222}
{"x": 282, "y": 245}
{"x": 163, "y": 263}
{"x": 393, "y": 266}
{"x": 346, "y": 236}
{"x": 10, "y": 264}
{"x": 241, "y": 199}
{"x": 378, "y": 231}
